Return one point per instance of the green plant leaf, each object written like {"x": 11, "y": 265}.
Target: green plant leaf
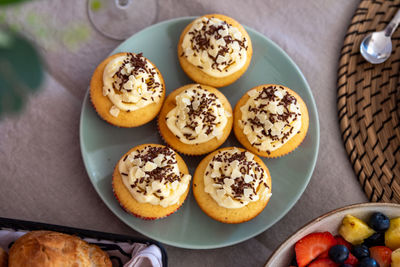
{"x": 21, "y": 70}
{"x": 8, "y": 2}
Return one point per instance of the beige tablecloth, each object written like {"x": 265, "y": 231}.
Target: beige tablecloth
{"x": 42, "y": 173}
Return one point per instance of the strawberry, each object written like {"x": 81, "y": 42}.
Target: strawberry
{"x": 311, "y": 246}
{"x": 323, "y": 263}
{"x": 352, "y": 260}
{"x": 382, "y": 255}
{"x": 324, "y": 255}
{"x": 340, "y": 241}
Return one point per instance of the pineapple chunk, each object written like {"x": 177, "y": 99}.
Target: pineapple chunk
{"x": 396, "y": 258}
{"x": 354, "y": 230}
{"x": 392, "y": 235}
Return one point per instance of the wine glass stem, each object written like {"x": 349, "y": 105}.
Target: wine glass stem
{"x": 123, "y": 3}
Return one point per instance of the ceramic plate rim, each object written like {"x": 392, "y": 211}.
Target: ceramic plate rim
{"x": 277, "y": 218}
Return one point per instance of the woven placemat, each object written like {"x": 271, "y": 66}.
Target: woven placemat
{"x": 367, "y": 101}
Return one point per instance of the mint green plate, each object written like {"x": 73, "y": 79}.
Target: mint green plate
{"x": 102, "y": 144}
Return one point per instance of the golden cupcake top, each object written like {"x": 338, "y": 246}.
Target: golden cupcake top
{"x": 215, "y": 46}
{"x": 270, "y": 117}
{"x": 234, "y": 179}
{"x": 198, "y": 116}
{"x": 131, "y": 82}
{"x": 152, "y": 175}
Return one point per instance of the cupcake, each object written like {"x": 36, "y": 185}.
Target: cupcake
{"x": 271, "y": 120}
{"x": 232, "y": 185}
{"x": 195, "y": 119}
{"x": 214, "y": 50}
{"x": 151, "y": 181}
{"x": 127, "y": 90}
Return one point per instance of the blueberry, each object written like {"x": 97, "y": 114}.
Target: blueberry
{"x": 377, "y": 239}
{"x": 339, "y": 253}
{"x": 379, "y": 222}
{"x": 368, "y": 262}
{"x": 346, "y": 265}
{"x": 361, "y": 251}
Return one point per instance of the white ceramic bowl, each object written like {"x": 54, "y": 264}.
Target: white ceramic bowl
{"x": 328, "y": 222}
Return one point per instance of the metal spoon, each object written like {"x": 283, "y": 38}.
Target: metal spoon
{"x": 377, "y": 46}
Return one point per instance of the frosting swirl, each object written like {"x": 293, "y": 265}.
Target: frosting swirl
{"x": 215, "y": 47}
{"x": 233, "y": 179}
{"x": 198, "y": 116}
{"x": 270, "y": 117}
{"x": 152, "y": 176}
{"x": 131, "y": 82}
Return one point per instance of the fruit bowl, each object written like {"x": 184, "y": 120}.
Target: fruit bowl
{"x": 330, "y": 222}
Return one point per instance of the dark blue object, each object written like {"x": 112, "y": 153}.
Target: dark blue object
{"x": 361, "y": 251}
{"x": 368, "y": 262}
{"x": 346, "y": 265}
{"x": 339, "y": 253}
{"x": 379, "y": 222}
{"x": 377, "y": 239}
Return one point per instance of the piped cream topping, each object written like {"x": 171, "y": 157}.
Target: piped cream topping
{"x": 270, "y": 117}
{"x": 198, "y": 116}
{"x": 234, "y": 179}
{"x": 152, "y": 176}
{"x": 215, "y": 47}
{"x": 131, "y": 82}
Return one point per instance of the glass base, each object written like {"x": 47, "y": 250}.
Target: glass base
{"x": 119, "y": 19}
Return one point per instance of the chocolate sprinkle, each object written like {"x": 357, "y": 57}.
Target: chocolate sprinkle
{"x": 203, "y": 112}
{"x": 200, "y": 41}
{"x": 267, "y": 94}
{"x": 246, "y": 166}
{"x": 164, "y": 174}
{"x": 139, "y": 65}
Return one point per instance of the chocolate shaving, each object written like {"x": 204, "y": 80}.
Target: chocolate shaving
{"x": 267, "y": 94}
{"x": 245, "y": 166}
{"x": 203, "y": 111}
{"x": 200, "y": 41}
{"x": 164, "y": 174}
{"x": 139, "y": 65}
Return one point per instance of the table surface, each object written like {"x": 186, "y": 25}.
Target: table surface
{"x": 42, "y": 172}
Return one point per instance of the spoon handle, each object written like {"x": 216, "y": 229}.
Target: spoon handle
{"x": 392, "y": 26}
